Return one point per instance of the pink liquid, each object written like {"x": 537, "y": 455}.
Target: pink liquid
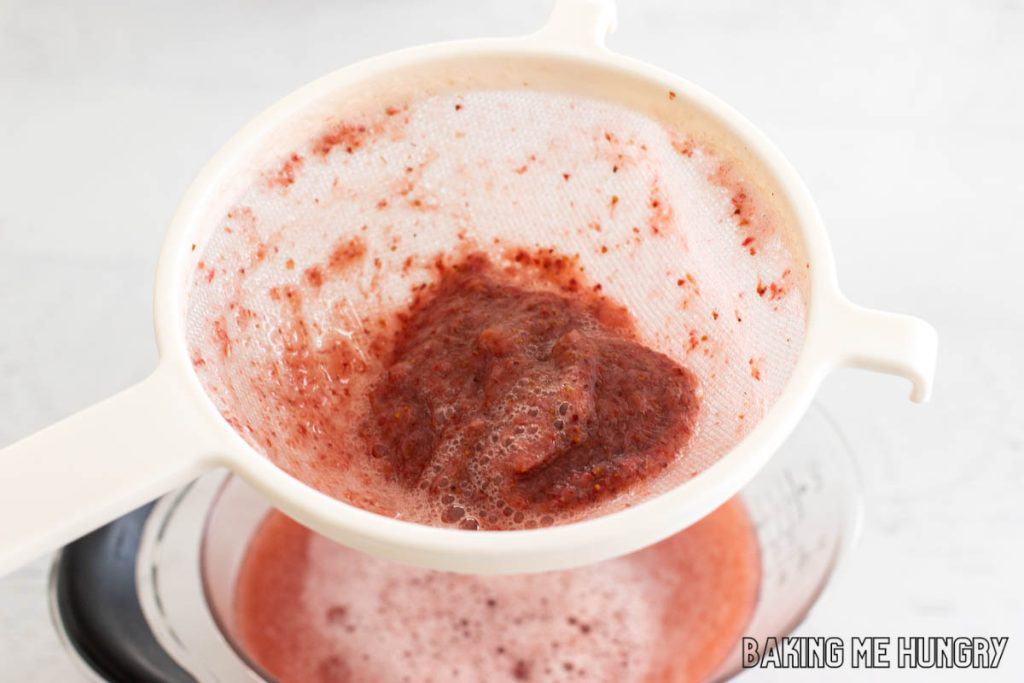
{"x": 309, "y": 610}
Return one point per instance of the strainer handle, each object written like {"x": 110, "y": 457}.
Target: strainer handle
{"x": 892, "y": 343}
{"x": 579, "y": 23}
{"x": 96, "y": 465}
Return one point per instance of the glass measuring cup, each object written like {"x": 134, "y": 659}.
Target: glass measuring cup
{"x": 805, "y": 505}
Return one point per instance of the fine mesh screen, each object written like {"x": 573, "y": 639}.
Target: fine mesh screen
{"x": 295, "y": 287}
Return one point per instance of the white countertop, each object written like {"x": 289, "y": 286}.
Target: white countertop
{"x": 905, "y": 119}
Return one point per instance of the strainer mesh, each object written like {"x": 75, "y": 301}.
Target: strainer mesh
{"x": 293, "y": 289}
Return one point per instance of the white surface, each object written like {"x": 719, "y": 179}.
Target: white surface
{"x": 903, "y": 118}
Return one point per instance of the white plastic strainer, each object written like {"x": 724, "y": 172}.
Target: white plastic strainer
{"x": 95, "y": 465}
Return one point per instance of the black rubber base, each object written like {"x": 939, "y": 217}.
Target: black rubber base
{"x": 99, "y": 606}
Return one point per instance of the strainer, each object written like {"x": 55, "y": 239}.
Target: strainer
{"x": 167, "y": 430}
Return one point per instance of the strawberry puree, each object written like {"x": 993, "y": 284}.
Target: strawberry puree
{"x": 312, "y": 611}
{"x": 499, "y": 398}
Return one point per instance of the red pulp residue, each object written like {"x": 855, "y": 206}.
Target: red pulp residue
{"x": 284, "y": 176}
{"x": 496, "y": 396}
{"x": 499, "y": 395}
